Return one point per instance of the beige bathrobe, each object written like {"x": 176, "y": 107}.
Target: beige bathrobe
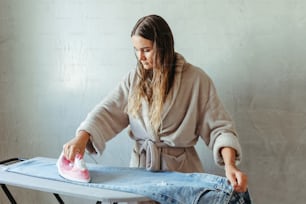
{"x": 193, "y": 110}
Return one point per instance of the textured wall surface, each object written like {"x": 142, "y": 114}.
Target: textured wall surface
{"x": 58, "y": 58}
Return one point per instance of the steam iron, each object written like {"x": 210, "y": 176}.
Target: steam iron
{"x": 74, "y": 171}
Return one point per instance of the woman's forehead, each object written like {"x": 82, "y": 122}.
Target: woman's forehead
{"x": 140, "y": 42}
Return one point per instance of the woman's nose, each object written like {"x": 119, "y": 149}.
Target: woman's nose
{"x": 141, "y": 56}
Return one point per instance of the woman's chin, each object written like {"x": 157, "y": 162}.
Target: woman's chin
{"x": 147, "y": 67}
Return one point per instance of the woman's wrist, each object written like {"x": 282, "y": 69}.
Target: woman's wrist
{"x": 229, "y": 156}
{"x": 83, "y": 136}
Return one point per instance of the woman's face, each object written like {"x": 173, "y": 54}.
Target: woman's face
{"x": 144, "y": 51}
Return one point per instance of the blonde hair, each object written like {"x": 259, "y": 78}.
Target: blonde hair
{"x": 154, "y": 85}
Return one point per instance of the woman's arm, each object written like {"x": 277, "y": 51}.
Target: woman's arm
{"x": 237, "y": 178}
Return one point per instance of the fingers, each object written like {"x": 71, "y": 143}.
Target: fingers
{"x": 70, "y": 151}
{"x": 242, "y": 182}
{"x": 76, "y": 146}
{"x": 237, "y": 178}
{"x": 239, "y": 182}
{"x": 233, "y": 181}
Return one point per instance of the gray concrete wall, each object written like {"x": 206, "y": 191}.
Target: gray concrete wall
{"x": 58, "y": 58}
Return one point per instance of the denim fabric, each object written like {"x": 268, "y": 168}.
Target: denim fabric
{"x": 222, "y": 196}
{"x": 164, "y": 187}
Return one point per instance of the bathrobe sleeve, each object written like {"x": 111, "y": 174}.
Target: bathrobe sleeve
{"x": 108, "y": 118}
{"x": 217, "y": 128}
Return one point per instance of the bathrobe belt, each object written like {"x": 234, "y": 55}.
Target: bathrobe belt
{"x": 149, "y": 153}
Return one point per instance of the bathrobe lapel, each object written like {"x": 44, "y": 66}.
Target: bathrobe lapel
{"x": 180, "y": 61}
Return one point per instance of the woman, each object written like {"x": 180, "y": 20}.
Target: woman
{"x": 167, "y": 104}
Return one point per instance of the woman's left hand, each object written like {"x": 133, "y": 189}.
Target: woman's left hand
{"x": 238, "y": 179}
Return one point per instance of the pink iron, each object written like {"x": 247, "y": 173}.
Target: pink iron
{"x": 75, "y": 171}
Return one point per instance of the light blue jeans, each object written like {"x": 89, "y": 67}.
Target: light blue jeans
{"x": 190, "y": 188}
{"x": 163, "y": 187}
{"x": 223, "y": 194}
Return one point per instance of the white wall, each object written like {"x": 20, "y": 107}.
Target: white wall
{"x": 58, "y": 58}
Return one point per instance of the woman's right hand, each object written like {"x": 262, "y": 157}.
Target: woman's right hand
{"x": 76, "y": 145}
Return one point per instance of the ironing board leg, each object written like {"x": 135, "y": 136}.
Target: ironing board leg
{"x": 13, "y": 201}
{"x": 58, "y": 198}
{"x": 8, "y": 194}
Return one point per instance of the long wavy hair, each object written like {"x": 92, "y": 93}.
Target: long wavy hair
{"x": 154, "y": 85}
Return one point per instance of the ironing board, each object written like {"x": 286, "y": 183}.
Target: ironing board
{"x": 120, "y": 184}
{"x": 104, "y": 196}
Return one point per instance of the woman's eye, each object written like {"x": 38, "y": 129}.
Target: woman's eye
{"x": 142, "y": 50}
{"x": 146, "y": 50}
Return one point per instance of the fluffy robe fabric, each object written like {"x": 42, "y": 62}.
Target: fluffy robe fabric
{"x": 192, "y": 110}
